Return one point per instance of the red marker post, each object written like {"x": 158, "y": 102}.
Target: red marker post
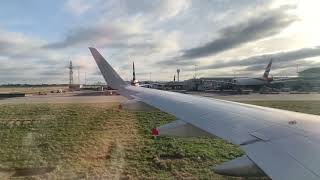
{"x": 154, "y": 132}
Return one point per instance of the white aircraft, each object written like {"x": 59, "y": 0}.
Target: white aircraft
{"x": 264, "y": 80}
{"x": 134, "y": 81}
{"x": 279, "y": 144}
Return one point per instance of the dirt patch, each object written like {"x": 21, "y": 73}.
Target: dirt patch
{"x": 19, "y": 172}
{"x": 171, "y": 156}
{"x": 32, "y": 171}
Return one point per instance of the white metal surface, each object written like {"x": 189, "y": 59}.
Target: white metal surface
{"x": 241, "y": 166}
{"x": 277, "y": 163}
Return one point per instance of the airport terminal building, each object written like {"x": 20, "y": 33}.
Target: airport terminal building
{"x": 310, "y": 78}
{"x": 312, "y": 74}
{"x": 207, "y": 83}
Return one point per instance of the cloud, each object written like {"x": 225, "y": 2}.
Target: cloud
{"x": 12, "y": 43}
{"x": 260, "y": 61}
{"x": 114, "y": 35}
{"x": 22, "y": 58}
{"x": 168, "y": 8}
{"x": 264, "y": 25}
{"x": 150, "y": 31}
{"x": 130, "y": 28}
{"x": 77, "y": 7}
{"x": 153, "y": 10}
{"x": 18, "y": 47}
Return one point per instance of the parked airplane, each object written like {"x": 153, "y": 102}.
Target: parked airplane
{"x": 134, "y": 81}
{"x": 259, "y": 81}
{"x": 279, "y": 144}
{"x": 255, "y": 83}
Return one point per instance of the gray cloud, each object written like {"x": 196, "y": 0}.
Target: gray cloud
{"x": 261, "y": 60}
{"x": 146, "y": 31}
{"x": 115, "y": 36}
{"x": 4, "y": 46}
{"x": 282, "y": 60}
{"x": 54, "y": 73}
{"x": 7, "y": 70}
{"x": 55, "y": 70}
{"x": 176, "y": 62}
{"x": 281, "y": 65}
{"x": 82, "y": 35}
{"x": 266, "y": 24}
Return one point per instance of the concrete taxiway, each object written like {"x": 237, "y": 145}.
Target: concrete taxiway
{"x": 64, "y": 98}
{"x": 94, "y": 97}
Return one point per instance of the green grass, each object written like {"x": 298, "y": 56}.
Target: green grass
{"x": 193, "y": 157}
{"x": 98, "y": 141}
{"x": 167, "y": 157}
{"x": 60, "y": 136}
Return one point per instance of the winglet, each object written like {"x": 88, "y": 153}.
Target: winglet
{"x": 109, "y": 74}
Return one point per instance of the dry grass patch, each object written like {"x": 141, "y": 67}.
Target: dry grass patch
{"x": 79, "y": 141}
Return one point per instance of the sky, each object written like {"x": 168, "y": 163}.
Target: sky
{"x": 204, "y": 38}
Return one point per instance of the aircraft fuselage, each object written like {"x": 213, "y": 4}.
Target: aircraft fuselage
{"x": 250, "y": 81}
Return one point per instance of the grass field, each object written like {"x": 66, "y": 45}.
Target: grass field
{"x": 97, "y": 141}
{"x": 30, "y": 90}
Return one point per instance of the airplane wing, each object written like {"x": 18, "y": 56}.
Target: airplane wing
{"x": 280, "y": 144}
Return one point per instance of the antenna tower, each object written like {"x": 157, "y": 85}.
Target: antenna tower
{"x": 70, "y": 74}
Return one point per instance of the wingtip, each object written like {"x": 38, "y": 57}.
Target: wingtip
{"x": 93, "y": 51}
{"x": 92, "y": 48}
{"x": 110, "y": 75}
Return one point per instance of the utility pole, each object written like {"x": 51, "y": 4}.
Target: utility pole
{"x": 195, "y": 71}
{"x": 78, "y": 68}
{"x": 70, "y": 74}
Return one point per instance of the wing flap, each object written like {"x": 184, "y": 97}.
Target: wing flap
{"x": 303, "y": 149}
{"x": 276, "y": 162}
{"x": 275, "y": 132}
